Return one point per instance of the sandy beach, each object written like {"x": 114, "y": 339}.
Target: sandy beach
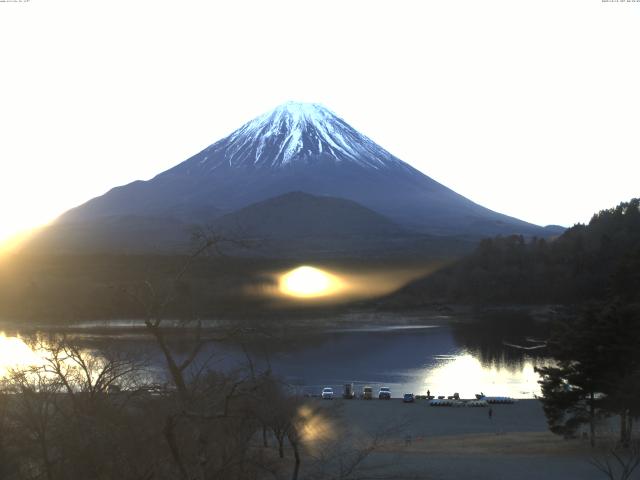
{"x": 421, "y": 441}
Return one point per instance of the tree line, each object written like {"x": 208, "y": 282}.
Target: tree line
{"x": 595, "y": 261}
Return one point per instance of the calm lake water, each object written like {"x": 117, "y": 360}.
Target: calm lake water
{"x": 442, "y": 356}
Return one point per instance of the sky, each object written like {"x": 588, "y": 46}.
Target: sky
{"x": 529, "y": 108}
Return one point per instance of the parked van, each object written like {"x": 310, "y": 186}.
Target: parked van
{"x": 367, "y": 393}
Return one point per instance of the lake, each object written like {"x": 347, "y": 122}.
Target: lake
{"x": 437, "y": 353}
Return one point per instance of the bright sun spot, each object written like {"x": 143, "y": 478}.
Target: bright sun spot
{"x": 15, "y": 353}
{"x": 309, "y": 282}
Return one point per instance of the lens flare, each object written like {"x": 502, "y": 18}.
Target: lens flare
{"x": 314, "y": 426}
{"x": 309, "y": 282}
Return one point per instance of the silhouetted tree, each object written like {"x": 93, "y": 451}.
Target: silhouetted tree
{"x": 597, "y": 371}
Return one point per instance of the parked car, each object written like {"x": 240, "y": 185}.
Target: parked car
{"x": 384, "y": 393}
{"x": 367, "y": 393}
{"x": 327, "y": 393}
{"x": 408, "y": 398}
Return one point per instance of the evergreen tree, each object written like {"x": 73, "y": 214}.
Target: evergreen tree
{"x": 597, "y": 372}
{"x": 570, "y": 389}
{"x": 620, "y": 332}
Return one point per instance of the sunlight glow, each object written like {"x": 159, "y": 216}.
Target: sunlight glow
{"x": 309, "y": 282}
{"x": 10, "y": 242}
{"x": 14, "y": 353}
{"x": 338, "y": 285}
{"x": 465, "y": 374}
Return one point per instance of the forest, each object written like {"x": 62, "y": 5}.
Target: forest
{"x": 587, "y": 262}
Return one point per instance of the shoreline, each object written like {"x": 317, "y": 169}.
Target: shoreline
{"x": 452, "y": 443}
{"x": 353, "y": 320}
{"x": 332, "y": 318}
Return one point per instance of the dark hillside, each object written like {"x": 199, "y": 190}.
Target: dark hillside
{"x": 587, "y": 262}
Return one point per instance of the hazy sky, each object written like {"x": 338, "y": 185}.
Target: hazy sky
{"x": 531, "y": 108}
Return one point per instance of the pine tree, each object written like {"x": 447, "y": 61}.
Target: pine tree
{"x": 620, "y": 331}
{"x": 570, "y": 389}
{"x": 598, "y": 370}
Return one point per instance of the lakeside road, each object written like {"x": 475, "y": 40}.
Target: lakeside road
{"x": 417, "y": 440}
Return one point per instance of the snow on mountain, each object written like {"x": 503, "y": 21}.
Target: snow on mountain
{"x": 297, "y": 147}
{"x": 295, "y": 132}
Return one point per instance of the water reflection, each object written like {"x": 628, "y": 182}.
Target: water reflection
{"x": 15, "y": 353}
{"x": 443, "y": 357}
{"x": 466, "y": 374}
{"x": 490, "y": 337}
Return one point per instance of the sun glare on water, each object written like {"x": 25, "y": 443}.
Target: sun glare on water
{"x": 15, "y": 353}
{"x": 309, "y": 282}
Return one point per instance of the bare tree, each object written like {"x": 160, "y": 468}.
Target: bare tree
{"x": 33, "y": 414}
{"x": 154, "y": 303}
{"x": 208, "y": 433}
{"x": 66, "y": 422}
{"x": 88, "y": 375}
{"x": 618, "y": 463}
{"x": 7, "y": 460}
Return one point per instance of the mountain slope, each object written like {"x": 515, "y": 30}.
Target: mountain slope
{"x": 294, "y": 148}
{"x": 300, "y": 225}
{"x": 299, "y": 215}
{"x": 300, "y": 147}
{"x": 294, "y": 225}
{"x": 113, "y": 234}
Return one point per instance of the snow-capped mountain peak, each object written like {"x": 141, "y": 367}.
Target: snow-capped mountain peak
{"x": 299, "y": 113}
{"x": 296, "y": 132}
{"x": 297, "y": 147}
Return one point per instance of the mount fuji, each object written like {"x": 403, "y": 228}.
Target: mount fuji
{"x": 297, "y": 147}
